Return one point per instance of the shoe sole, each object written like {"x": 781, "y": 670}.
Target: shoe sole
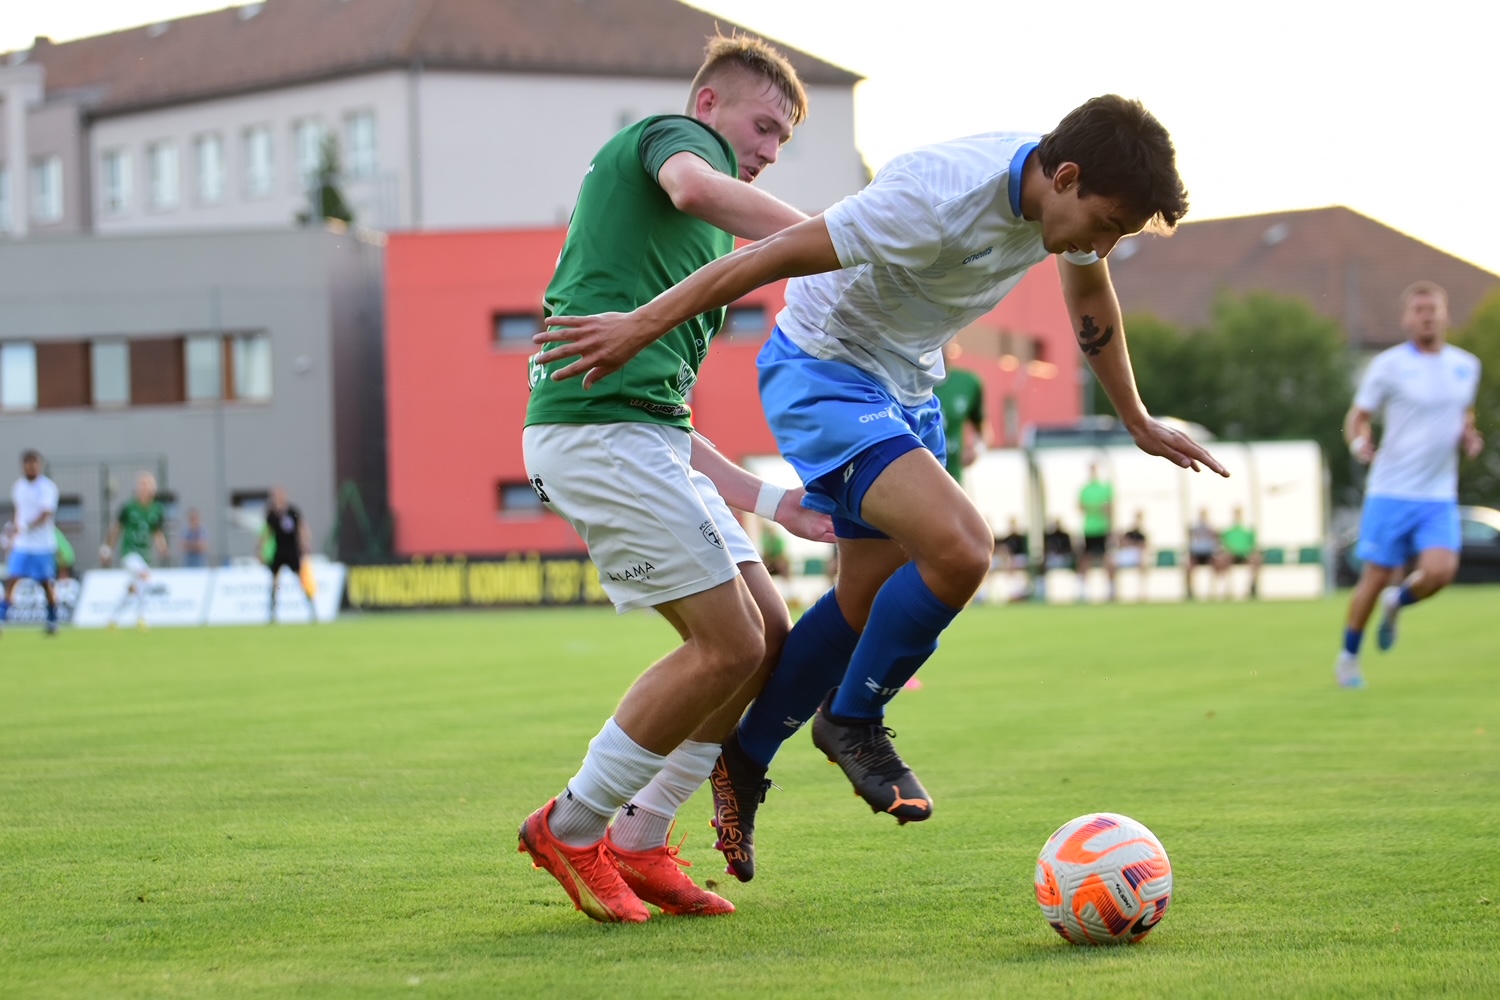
{"x": 577, "y": 889}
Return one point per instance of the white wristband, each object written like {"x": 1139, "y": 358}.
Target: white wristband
{"x": 769, "y": 500}
{"x": 1358, "y": 445}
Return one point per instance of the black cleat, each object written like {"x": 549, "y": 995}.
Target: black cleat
{"x": 863, "y": 748}
{"x": 739, "y": 785}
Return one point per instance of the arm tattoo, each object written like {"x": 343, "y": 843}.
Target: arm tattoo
{"x": 1090, "y": 340}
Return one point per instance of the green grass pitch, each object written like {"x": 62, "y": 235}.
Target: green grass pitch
{"x": 331, "y": 811}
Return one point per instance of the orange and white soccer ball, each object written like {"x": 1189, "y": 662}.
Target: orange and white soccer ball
{"x": 1103, "y": 879}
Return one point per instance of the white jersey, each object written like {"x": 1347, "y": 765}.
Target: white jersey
{"x": 33, "y": 498}
{"x": 932, "y": 244}
{"x": 1423, "y": 399}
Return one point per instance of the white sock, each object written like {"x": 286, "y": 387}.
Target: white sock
{"x": 615, "y": 769}
{"x": 647, "y": 818}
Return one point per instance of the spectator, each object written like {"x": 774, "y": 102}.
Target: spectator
{"x": 1203, "y": 549}
{"x": 1097, "y": 501}
{"x": 1240, "y": 549}
{"x": 194, "y": 541}
{"x": 1057, "y": 547}
{"x": 1131, "y": 552}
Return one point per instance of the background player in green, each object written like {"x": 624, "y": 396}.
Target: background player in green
{"x": 961, "y": 395}
{"x": 1097, "y": 501}
{"x": 618, "y": 459}
{"x": 140, "y": 533}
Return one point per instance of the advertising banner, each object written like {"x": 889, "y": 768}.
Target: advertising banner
{"x": 28, "y": 605}
{"x": 518, "y": 581}
{"x": 236, "y": 595}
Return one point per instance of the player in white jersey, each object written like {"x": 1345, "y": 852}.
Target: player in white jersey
{"x": 33, "y": 549}
{"x": 881, "y": 282}
{"x": 1423, "y": 390}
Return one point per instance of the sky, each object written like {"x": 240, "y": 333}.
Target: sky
{"x": 1389, "y": 109}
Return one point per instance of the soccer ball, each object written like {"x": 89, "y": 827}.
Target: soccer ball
{"x": 1103, "y": 879}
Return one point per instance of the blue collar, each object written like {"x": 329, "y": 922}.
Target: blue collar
{"x": 1017, "y": 168}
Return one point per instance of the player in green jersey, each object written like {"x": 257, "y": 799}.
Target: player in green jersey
{"x": 961, "y": 395}
{"x": 1097, "y": 502}
{"x": 618, "y": 458}
{"x": 140, "y": 534}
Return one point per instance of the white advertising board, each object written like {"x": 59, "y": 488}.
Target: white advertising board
{"x": 28, "y": 604}
{"x": 237, "y": 595}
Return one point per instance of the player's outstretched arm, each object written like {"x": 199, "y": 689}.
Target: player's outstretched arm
{"x": 1359, "y": 433}
{"x": 1473, "y": 440}
{"x": 723, "y": 202}
{"x": 1090, "y": 297}
{"x": 600, "y": 345}
{"x": 745, "y": 491}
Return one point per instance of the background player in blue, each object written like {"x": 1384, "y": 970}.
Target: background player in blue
{"x": 33, "y": 549}
{"x": 1424, "y": 392}
{"x": 881, "y": 282}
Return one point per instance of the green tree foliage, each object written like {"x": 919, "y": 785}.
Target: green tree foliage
{"x": 1267, "y": 368}
{"x": 326, "y": 197}
{"x": 1479, "y": 479}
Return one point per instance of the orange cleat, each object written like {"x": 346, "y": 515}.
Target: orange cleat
{"x": 587, "y": 873}
{"x": 656, "y": 876}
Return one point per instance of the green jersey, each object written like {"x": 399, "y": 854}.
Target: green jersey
{"x": 1238, "y": 540}
{"x": 626, "y": 244}
{"x": 138, "y": 523}
{"x": 1095, "y": 500}
{"x": 961, "y": 395}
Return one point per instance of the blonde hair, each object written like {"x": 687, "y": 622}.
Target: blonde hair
{"x": 1424, "y": 287}
{"x": 727, "y": 53}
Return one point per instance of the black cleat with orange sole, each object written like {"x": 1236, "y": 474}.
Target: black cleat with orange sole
{"x": 863, "y": 748}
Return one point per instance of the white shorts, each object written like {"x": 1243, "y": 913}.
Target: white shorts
{"x": 135, "y": 564}
{"x": 657, "y": 530}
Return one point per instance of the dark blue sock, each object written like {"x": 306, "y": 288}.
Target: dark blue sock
{"x": 812, "y": 663}
{"x": 1352, "y": 638}
{"x": 905, "y": 622}
{"x": 1404, "y": 596}
{"x": 52, "y": 611}
{"x": 5, "y": 610}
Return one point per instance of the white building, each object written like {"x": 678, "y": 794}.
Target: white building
{"x": 448, "y": 113}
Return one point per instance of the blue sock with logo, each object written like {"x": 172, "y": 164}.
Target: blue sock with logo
{"x": 1404, "y": 596}
{"x": 1352, "y": 638}
{"x": 905, "y": 622}
{"x": 812, "y": 663}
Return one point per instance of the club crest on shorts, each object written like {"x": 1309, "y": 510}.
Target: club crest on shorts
{"x": 711, "y": 533}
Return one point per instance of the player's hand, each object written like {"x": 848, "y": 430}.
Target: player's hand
{"x": 1473, "y": 442}
{"x": 600, "y": 345}
{"x": 104, "y": 554}
{"x": 1156, "y": 438}
{"x": 1363, "y": 450}
{"x": 802, "y": 521}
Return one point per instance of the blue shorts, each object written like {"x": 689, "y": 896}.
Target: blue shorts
{"x": 840, "y": 428}
{"x": 38, "y": 566}
{"x": 1392, "y": 531}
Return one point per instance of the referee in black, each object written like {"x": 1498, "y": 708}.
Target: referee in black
{"x": 287, "y": 541}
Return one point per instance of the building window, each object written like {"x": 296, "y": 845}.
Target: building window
{"x": 517, "y": 500}
{"x": 210, "y": 157}
{"x": 361, "y": 144}
{"x": 258, "y": 164}
{"x": 307, "y": 137}
{"x": 18, "y": 376}
{"x": 46, "y": 189}
{"x": 116, "y": 182}
{"x": 62, "y": 374}
{"x": 204, "y": 360}
{"x": 110, "y": 370}
{"x": 517, "y": 329}
{"x": 156, "y": 371}
{"x": 252, "y": 366}
{"x": 161, "y": 163}
{"x": 4, "y": 199}
{"x": 746, "y": 322}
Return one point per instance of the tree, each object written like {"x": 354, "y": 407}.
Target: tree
{"x": 326, "y": 198}
{"x": 1267, "y": 368}
{"x": 1479, "y": 479}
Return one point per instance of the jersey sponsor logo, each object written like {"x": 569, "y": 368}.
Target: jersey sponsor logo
{"x": 536, "y": 487}
{"x": 686, "y": 379}
{"x": 870, "y": 418}
{"x": 632, "y": 574}
{"x": 711, "y": 533}
{"x": 660, "y": 409}
{"x": 976, "y": 256}
{"x": 534, "y": 371}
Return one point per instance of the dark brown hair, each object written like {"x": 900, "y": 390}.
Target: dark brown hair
{"x": 1423, "y": 287}
{"x": 1122, "y": 152}
{"x": 752, "y": 55}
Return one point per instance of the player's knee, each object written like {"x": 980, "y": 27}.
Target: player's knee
{"x": 963, "y": 560}
{"x": 736, "y": 649}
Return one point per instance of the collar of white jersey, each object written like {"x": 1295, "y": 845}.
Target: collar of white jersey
{"x": 1017, "y": 168}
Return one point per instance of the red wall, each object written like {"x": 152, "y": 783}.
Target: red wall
{"x": 456, "y": 401}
